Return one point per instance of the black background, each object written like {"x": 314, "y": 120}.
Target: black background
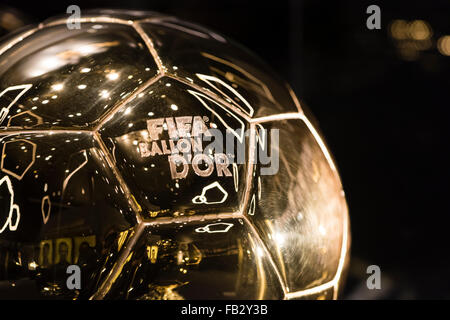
{"x": 385, "y": 119}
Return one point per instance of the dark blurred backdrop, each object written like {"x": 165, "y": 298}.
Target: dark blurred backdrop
{"x": 381, "y": 98}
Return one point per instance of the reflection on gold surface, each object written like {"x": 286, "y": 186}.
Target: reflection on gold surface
{"x": 73, "y": 145}
{"x": 5, "y": 108}
{"x": 257, "y": 84}
{"x": 11, "y": 215}
{"x": 63, "y": 251}
{"x": 81, "y": 244}
{"x": 46, "y": 207}
{"x": 81, "y": 165}
{"x": 13, "y": 150}
{"x": 152, "y": 253}
{"x": 278, "y": 241}
{"x": 168, "y": 292}
{"x": 194, "y": 255}
{"x": 46, "y": 253}
{"x": 122, "y": 237}
{"x": 25, "y": 119}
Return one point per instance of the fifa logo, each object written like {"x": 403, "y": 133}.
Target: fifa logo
{"x": 186, "y": 149}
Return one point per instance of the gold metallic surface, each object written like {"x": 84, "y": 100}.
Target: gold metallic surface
{"x": 90, "y": 120}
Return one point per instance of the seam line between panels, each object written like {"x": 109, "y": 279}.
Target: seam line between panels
{"x": 277, "y": 117}
{"x": 294, "y": 98}
{"x": 250, "y": 170}
{"x": 118, "y": 176}
{"x": 344, "y": 249}
{"x": 320, "y": 142}
{"x": 17, "y": 39}
{"x": 267, "y": 253}
{"x": 118, "y": 265}
{"x": 194, "y": 218}
{"x": 310, "y": 291}
{"x": 151, "y": 47}
{"x": 108, "y": 115}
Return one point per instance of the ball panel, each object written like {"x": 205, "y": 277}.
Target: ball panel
{"x": 214, "y": 259}
{"x": 61, "y": 205}
{"x": 70, "y": 78}
{"x": 300, "y": 210}
{"x": 213, "y": 62}
{"x": 169, "y": 123}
